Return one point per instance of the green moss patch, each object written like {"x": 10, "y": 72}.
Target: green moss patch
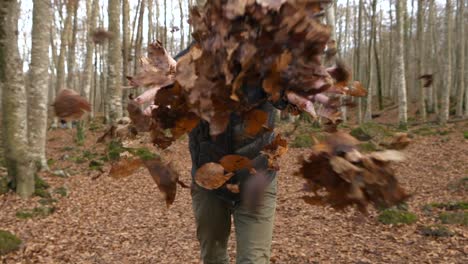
{"x": 457, "y": 218}
{"x": 450, "y": 206}
{"x": 8, "y": 242}
{"x": 62, "y": 191}
{"x": 302, "y": 141}
{"x": 41, "y": 187}
{"x": 42, "y": 211}
{"x": 465, "y": 134}
{"x": 436, "y": 231}
{"x": 396, "y": 216}
{"x": 368, "y": 147}
{"x": 4, "y": 188}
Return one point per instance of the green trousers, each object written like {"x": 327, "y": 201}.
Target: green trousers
{"x": 254, "y": 229}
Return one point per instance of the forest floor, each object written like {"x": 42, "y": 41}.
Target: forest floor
{"x": 98, "y": 219}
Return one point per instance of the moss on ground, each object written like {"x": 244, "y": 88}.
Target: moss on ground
{"x": 396, "y": 216}
{"x": 302, "y": 141}
{"x": 465, "y": 134}
{"x": 436, "y": 231}
{"x": 457, "y": 218}
{"x": 371, "y": 130}
{"x": 62, "y": 191}
{"x": 8, "y": 242}
{"x": 41, "y": 211}
{"x": 41, "y": 187}
{"x": 4, "y": 188}
{"x": 450, "y": 206}
{"x": 368, "y": 147}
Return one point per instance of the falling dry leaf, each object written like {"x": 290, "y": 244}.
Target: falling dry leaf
{"x": 232, "y": 163}
{"x": 165, "y": 177}
{"x": 125, "y": 167}
{"x": 69, "y": 105}
{"x": 211, "y": 176}
{"x": 255, "y": 121}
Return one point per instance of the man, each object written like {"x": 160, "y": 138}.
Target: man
{"x": 213, "y": 209}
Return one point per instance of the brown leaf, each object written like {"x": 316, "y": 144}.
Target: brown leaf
{"x": 232, "y": 163}
{"x": 69, "y": 105}
{"x": 400, "y": 141}
{"x": 211, "y": 176}
{"x": 428, "y": 79}
{"x": 139, "y": 120}
{"x": 234, "y": 188}
{"x": 274, "y": 151}
{"x": 125, "y": 167}
{"x": 357, "y": 90}
{"x": 165, "y": 177}
{"x": 355, "y": 180}
{"x": 255, "y": 120}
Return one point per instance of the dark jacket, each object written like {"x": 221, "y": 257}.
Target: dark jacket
{"x": 204, "y": 148}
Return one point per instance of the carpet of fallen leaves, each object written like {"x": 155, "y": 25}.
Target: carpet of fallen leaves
{"x": 106, "y": 220}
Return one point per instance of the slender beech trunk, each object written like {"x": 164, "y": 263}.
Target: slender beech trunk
{"x": 420, "y": 60}
{"x": 150, "y": 21}
{"x": 114, "y": 91}
{"x": 400, "y": 66}
{"x": 39, "y": 84}
{"x": 14, "y": 103}
{"x": 461, "y": 57}
{"x": 92, "y": 7}
{"x": 445, "y": 102}
{"x": 72, "y": 48}
{"x": 358, "y": 58}
{"x": 182, "y": 32}
{"x": 370, "y": 93}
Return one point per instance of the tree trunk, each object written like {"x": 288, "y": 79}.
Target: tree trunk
{"x": 358, "y": 59}
{"x": 60, "y": 82}
{"x": 431, "y": 103}
{"x": 182, "y": 20}
{"x": 139, "y": 37}
{"x": 391, "y": 59}
{"x": 114, "y": 90}
{"x": 420, "y": 62}
{"x": 377, "y": 66}
{"x": 150, "y": 21}
{"x": 91, "y": 12}
{"x": 126, "y": 48}
{"x": 71, "y": 48}
{"x": 158, "y": 27}
{"x": 445, "y": 102}
{"x": 165, "y": 24}
{"x": 461, "y": 57}
{"x": 14, "y": 100}
{"x": 400, "y": 66}
{"x": 370, "y": 93}
{"x": 38, "y": 89}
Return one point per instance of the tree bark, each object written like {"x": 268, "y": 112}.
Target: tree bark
{"x": 370, "y": 93}
{"x": 114, "y": 89}
{"x": 445, "y": 102}
{"x": 461, "y": 57}
{"x": 38, "y": 89}
{"x": 14, "y": 100}
{"x": 60, "y": 82}
{"x": 420, "y": 58}
{"x": 182, "y": 32}
{"x": 72, "y": 48}
{"x": 91, "y": 12}
{"x": 150, "y": 21}
{"x": 358, "y": 59}
{"x": 400, "y": 66}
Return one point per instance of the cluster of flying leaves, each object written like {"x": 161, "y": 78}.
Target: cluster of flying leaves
{"x": 340, "y": 176}
{"x": 69, "y": 105}
{"x": 274, "y": 45}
